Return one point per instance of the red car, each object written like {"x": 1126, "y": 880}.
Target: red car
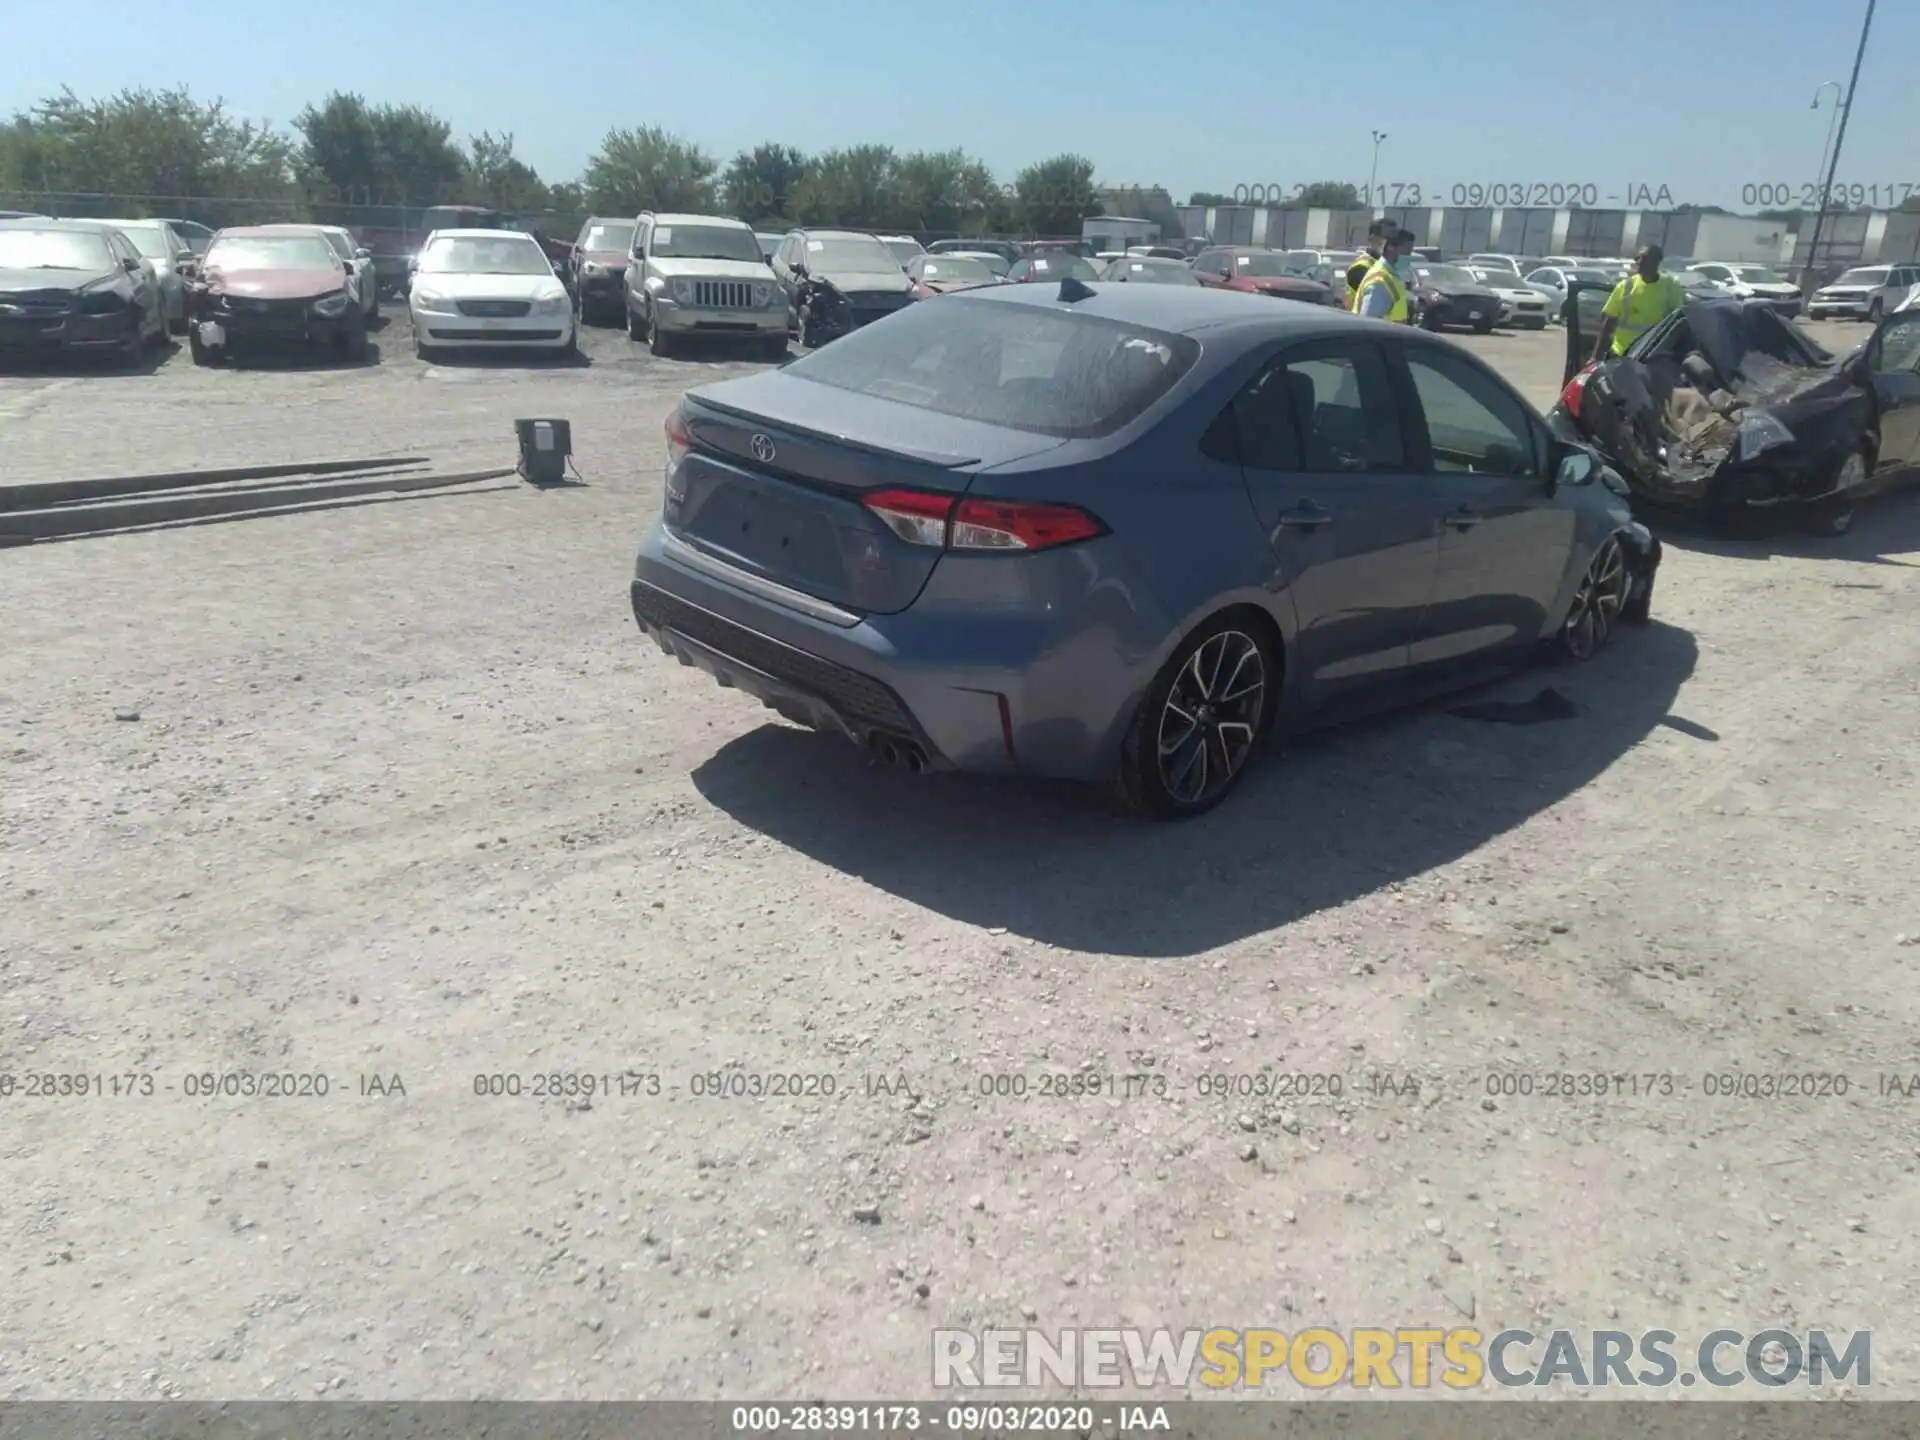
{"x": 261, "y": 285}
{"x": 1259, "y": 272}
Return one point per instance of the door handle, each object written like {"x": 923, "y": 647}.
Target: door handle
{"x": 1304, "y": 517}
{"x": 1465, "y": 518}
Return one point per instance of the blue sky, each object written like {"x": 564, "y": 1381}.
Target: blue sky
{"x": 1708, "y": 99}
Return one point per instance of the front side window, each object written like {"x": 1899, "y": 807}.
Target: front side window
{"x": 1474, "y": 426}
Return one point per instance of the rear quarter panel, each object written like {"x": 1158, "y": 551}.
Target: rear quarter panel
{"x": 1186, "y": 543}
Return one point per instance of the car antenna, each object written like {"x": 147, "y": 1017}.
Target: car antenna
{"x": 1072, "y": 290}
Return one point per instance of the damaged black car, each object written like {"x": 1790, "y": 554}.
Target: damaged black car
{"x": 837, "y": 281}
{"x": 1729, "y": 412}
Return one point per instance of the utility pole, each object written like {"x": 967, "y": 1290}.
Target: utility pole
{"x": 1833, "y": 160}
{"x": 1374, "y": 174}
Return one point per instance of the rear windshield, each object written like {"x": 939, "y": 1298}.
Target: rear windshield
{"x": 1019, "y": 366}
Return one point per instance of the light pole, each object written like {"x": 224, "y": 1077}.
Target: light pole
{"x": 1833, "y": 118}
{"x": 1833, "y": 160}
{"x": 1374, "y": 173}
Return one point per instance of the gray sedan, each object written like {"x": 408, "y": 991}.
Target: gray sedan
{"x": 1117, "y": 533}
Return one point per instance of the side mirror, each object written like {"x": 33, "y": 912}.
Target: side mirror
{"x": 800, "y": 268}
{"x": 363, "y": 253}
{"x": 131, "y": 266}
{"x": 185, "y": 257}
{"x": 1575, "y": 468}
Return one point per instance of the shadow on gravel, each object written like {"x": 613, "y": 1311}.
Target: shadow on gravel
{"x": 1338, "y": 815}
{"x": 506, "y": 359}
{"x": 267, "y": 356}
{"x": 1887, "y": 525}
{"x": 60, "y": 363}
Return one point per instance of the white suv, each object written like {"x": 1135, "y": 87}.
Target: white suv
{"x": 702, "y": 275}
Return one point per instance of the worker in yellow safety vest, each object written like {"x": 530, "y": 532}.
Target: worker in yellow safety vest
{"x": 1377, "y": 234}
{"x": 1637, "y": 304}
{"x": 1383, "y": 293}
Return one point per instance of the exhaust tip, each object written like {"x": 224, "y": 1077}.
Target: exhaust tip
{"x": 916, "y": 762}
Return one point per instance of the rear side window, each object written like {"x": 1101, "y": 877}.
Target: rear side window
{"x": 1325, "y": 408}
{"x": 1049, "y": 372}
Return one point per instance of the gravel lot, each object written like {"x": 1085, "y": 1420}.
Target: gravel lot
{"x": 400, "y": 793}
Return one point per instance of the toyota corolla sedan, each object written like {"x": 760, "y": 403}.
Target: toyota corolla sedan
{"x": 258, "y": 286}
{"x": 487, "y": 289}
{"x": 1117, "y": 533}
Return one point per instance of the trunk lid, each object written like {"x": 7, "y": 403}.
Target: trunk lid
{"x": 774, "y": 483}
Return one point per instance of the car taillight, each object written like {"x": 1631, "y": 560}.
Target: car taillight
{"x": 923, "y": 518}
{"x": 1575, "y": 392}
{"x": 679, "y": 438}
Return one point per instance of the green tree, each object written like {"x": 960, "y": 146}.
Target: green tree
{"x": 1055, "y": 196}
{"x": 944, "y": 191}
{"x": 1327, "y": 195}
{"x": 148, "y": 152}
{"x": 1210, "y": 197}
{"x": 353, "y": 154}
{"x": 857, "y": 187}
{"x": 498, "y": 177}
{"x": 760, "y": 183}
{"x": 649, "y": 169}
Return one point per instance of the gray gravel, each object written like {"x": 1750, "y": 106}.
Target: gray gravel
{"x": 394, "y": 796}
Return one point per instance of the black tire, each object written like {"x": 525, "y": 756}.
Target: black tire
{"x": 636, "y": 325}
{"x": 1599, "y": 603}
{"x": 351, "y": 346}
{"x": 202, "y": 354}
{"x": 1431, "y": 321}
{"x": 1156, "y": 775}
{"x": 1875, "y": 309}
{"x": 775, "y": 349}
{"x": 424, "y": 351}
{"x": 658, "y": 341}
{"x": 1483, "y": 327}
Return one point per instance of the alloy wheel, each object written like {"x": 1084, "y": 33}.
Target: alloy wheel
{"x": 1211, "y": 716}
{"x": 1597, "y": 606}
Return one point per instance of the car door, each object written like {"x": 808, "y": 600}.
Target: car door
{"x": 1209, "y": 267}
{"x": 634, "y": 282}
{"x": 1892, "y": 361}
{"x": 1352, "y": 527}
{"x": 146, "y": 287}
{"x": 1504, "y": 541}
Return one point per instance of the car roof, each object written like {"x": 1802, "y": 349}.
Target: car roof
{"x": 480, "y": 234}
{"x": 661, "y": 217}
{"x": 828, "y": 234}
{"x": 1183, "y": 310}
{"x": 71, "y": 227}
{"x": 265, "y": 232}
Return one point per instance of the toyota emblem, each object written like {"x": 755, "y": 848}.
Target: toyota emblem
{"x": 763, "y": 450}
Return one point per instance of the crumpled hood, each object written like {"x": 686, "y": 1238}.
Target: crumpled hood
{"x": 274, "y": 284}
{"x": 24, "y": 284}
{"x": 867, "y": 281}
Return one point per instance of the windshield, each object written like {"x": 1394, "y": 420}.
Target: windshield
{"x": 271, "y": 252}
{"x": 615, "y": 235}
{"x": 461, "y": 255}
{"x": 150, "y": 240}
{"x": 1869, "y": 276}
{"x": 342, "y": 244}
{"x": 1447, "y": 275}
{"x": 848, "y": 254}
{"x": 903, "y": 250}
{"x": 53, "y": 250}
{"x": 1266, "y": 266}
{"x": 1153, "y": 272}
{"x": 953, "y": 269}
{"x": 704, "y": 242}
{"x": 1756, "y": 275}
{"x": 1017, "y": 366}
{"x": 1059, "y": 265}
{"x": 996, "y": 263}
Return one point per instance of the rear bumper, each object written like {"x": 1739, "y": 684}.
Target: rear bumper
{"x": 995, "y": 694}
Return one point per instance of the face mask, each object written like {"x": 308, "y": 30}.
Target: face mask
{"x": 1403, "y": 267}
